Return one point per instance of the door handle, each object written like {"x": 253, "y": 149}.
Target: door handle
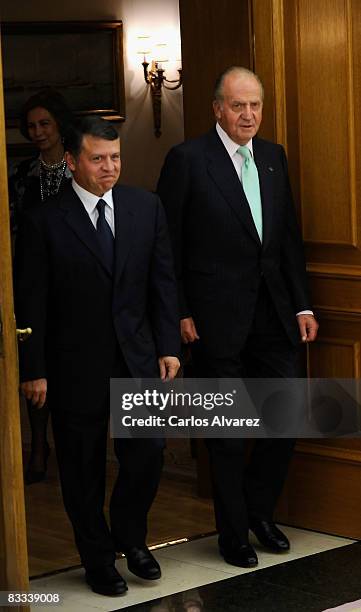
{"x": 23, "y": 334}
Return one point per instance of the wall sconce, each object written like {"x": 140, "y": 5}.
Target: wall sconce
{"x": 154, "y": 76}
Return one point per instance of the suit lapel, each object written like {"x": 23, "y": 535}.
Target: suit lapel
{"x": 78, "y": 219}
{"x": 266, "y": 179}
{"x": 124, "y": 221}
{"x": 222, "y": 172}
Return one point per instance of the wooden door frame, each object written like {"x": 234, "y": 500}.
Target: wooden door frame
{"x": 14, "y": 571}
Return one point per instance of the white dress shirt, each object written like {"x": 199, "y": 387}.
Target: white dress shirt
{"x": 90, "y": 201}
{"x": 238, "y": 160}
{"x": 232, "y": 148}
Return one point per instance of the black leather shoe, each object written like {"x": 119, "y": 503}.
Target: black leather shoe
{"x": 241, "y": 555}
{"x": 106, "y": 581}
{"x": 142, "y": 563}
{"x": 270, "y": 536}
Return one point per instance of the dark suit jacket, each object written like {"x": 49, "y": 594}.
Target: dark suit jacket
{"x": 219, "y": 258}
{"x": 79, "y": 311}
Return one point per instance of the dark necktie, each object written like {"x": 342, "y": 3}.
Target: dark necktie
{"x": 105, "y": 234}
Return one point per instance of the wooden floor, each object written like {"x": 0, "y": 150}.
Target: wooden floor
{"x": 176, "y": 513}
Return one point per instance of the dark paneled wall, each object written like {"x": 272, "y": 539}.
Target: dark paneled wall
{"x": 215, "y": 34}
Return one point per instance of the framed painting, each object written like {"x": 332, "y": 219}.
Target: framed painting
{"x": 81, "y": 60}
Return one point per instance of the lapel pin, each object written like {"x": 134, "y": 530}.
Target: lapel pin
{"x": 270, "y": 168}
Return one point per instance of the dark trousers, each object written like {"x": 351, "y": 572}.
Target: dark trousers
{"x": 245, "y": 492}
{"x": 81, "y": 443}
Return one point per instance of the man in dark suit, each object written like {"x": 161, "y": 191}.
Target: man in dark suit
{"x": 95, "y": 282}
{"x": 242, "y": 290}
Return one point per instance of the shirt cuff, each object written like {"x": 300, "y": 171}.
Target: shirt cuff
{"x": 304, "y": 312}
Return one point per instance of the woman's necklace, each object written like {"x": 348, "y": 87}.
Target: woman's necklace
{"x": 51, "y": 176}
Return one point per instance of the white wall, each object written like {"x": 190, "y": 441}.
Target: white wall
{"x": 142, "y": 152}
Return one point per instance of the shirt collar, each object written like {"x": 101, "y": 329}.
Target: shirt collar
{"x": 90, "y": 200}
{"x": 230, "y": 145}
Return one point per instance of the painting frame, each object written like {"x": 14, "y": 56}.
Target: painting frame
{"x": 106, "y": 37}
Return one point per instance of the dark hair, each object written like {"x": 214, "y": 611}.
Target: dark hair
{"x": 54, "y": 103}
{"x": 89, "y": 126}
{"x": 240, "y": 70}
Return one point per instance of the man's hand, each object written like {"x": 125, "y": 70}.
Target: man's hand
{"x": 35, "y": 390}
{"x": 188, "y": 330}
{"x": 168, "y": 367}
{"x": 308, "y": 327}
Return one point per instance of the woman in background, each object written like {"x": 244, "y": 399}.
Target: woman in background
{"x": 44, "y": 121}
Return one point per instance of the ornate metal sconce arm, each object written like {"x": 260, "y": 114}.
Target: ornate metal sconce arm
{"x": 154, "y": 76}
{"x": 179, "y": 81}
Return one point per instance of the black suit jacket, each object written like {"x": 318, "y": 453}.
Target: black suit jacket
{"x": 81, "y": 312}
{"x": 220, "y": 260}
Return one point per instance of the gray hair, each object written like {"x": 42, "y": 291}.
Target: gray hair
{"x": 241, "y": 71}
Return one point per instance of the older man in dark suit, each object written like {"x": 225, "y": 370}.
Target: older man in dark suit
{"x": 94, "y": 280}
{"x": 242, "y": 288}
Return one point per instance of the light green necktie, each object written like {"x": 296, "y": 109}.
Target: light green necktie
{"x": 250, "y": 184}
